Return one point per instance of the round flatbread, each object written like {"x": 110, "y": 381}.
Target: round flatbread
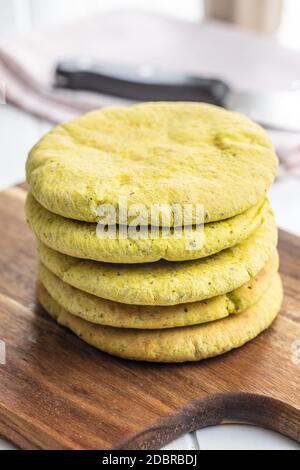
{"x": 165, "y": 283}
{"x": 105, "y": 312}
{"x": 192, "y": 343}
{"x": 80, "y": 239}
{"x": 153, "y": 153}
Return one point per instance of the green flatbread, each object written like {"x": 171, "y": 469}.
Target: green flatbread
{"x": 153, "y": 153}
{"x": 105, "y": 312}
{"x": 79, "y": 239}
{"x": 192, "y": 343}
{"x": 165, "y": 283}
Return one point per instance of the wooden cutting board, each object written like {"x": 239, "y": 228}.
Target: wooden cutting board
{"x": 58, "y": 393}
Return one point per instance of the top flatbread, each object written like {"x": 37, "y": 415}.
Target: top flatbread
{"x": 153, "y": 153}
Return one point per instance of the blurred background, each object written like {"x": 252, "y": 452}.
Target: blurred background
{"x": 280, "y": 16}
{"x": 251, "y": 44}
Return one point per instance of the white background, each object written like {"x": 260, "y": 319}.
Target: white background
{"x": 18, "y": 132}
{"x": 23, "y": 15}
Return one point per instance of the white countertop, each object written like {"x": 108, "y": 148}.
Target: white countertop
{"x": 19, "y": 133}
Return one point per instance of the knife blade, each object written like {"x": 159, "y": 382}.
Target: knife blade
{"x": 278, "y": 110}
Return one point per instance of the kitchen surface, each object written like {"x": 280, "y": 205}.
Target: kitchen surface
{"x": 24, "y": 120}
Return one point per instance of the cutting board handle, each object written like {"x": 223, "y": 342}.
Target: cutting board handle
{"x": 230, "y": 408}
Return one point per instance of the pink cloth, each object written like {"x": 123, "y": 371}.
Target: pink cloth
{"x": 245, "y": 60}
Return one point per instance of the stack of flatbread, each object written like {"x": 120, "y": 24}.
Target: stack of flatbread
{"x": 156, "y": 239}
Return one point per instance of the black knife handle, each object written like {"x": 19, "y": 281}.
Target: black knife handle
{"x": 140, "y": 83}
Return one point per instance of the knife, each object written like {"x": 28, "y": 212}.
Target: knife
{"x": 278, "y": 110}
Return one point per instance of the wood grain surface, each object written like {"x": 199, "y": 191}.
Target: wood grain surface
{"x": 58, "y": 393}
